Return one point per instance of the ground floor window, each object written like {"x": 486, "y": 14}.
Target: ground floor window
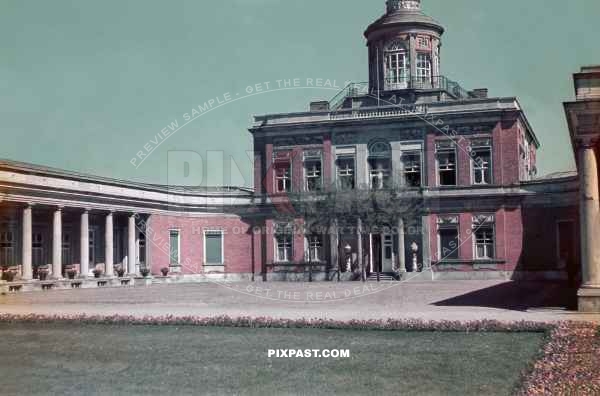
{"x": 174, "y": 247}
{"x": 314, "y": 245}
{"x": 448, "y": 237}
{"x": 142, "y": 247}
{"x": 92, "y": 245}
{"x": 213, "y": 247}
{"x": 283, "y": 243}
{"x": 7, "y": 248}
{"x": 484, "y": 237}
{"x": 66, "y": 249}
{"x": 38, "y": 256}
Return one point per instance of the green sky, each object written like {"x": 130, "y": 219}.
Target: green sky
{"x": 85, "y": 84}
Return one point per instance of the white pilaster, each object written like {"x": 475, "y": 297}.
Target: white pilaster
{"x": 131, "y": 245}
{"x": 57, "y": 244}
{"x": 108, "y": 245}
{"x": 84, "y": 243}
{"x": 26, "y": 244}
{"x": 371, "y": 269}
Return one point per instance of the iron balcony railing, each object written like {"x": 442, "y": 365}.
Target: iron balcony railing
{"x": 399, "y": 83}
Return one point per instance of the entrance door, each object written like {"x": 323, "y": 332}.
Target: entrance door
{"x": 387, "y": 246}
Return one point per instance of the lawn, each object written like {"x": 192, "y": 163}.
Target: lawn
{"x": 109, "y": 359}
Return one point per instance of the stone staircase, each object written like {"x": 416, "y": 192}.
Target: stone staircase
{"x": 382, "y": 278}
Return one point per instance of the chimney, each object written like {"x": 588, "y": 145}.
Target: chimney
{"x": 320, "y": 105}
{"x": 480, "y": 93}
{"x": 587, "y": 82}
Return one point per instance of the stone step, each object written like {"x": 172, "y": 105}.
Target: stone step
{"x": 382, "y": 278}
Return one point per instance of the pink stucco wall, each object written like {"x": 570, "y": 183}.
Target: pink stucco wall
{"x": 238, "y": 243}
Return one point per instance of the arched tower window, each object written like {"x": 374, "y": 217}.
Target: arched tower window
{"x": 397, "y": 66}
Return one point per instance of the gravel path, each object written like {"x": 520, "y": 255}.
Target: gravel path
{"x": 449, "y": 300}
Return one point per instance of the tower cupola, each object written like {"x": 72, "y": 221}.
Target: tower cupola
{"x": 404, "y": 48}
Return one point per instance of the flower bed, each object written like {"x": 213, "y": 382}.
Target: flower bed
{"x": 570, "y": 364}
{"x": 267, "y": 322}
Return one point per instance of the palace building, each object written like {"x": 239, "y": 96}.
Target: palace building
{"x": 406, "y": 176}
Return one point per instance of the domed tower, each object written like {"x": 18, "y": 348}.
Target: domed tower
{"x": 404, "y": 48}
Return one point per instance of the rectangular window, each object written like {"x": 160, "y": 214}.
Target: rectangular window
{"x": 314, "y": 245}
{"x": 92, "y": 246}
{"x": 346, "y": 174}
{"x": 38, "y": 255}
{"x": 411, "y": 165}
{"x": 174, "y": 247}
{"x": 283, "y": 182}
{"x": 448, "y": 237}
{"x": 283, "y": 244}
{"x": 446, "y": 163}
{"x": 66, "y": 249}
{"x": 380, "y": 173}
{"x": 313, "y": 171}
{"x": 423, "y": 42}
{"x": 484, "y": 237}
{"x": 423, "y": 68}
{"x": 481, "y": 161}
{"x": 142, "y": 247}
{"x": 213, "y": 247}
{"x": 7, "y": 248}
{"x": 448, "y": 243}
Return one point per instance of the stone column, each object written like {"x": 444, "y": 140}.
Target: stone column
{"x": 401, "y": 247}
{"x": 57, "y": 244}
{"x": 84, "y": 243}
{"x": 27, "y": 270}
{"x": 590, "y": 218}
{"x": 131, "y": 245}
{"x": 108, "y": 245}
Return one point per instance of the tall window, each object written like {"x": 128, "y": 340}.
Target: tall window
{"x": 314, "y": 245}
{"x": 345, "y": 164}
{"x": 92, "y": 245}
{"x": 283, "y": 182}
{"x": 448, "y": 242}
{"x": 66, "y": 249}
{"x": 142, "y": 247}
{"x": 423, "y": 68}
{"x": 38, "y": 255}
{"x": 213, "y": 248}
{"x": 7, "y": 248}
{"x": 174, "y": 247}
{"x": 484, "y": 237}
{"x": 282, "y": 171}
{"x": 380, "y": 164}
{"x": 446, "y": 163}
{"x": 313, "y": 171}
{"x": 397, "y": 66}
{"x": 283, "y": 243}
{"x": 411, "y": 164}
{"x": 481, "y": 161}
